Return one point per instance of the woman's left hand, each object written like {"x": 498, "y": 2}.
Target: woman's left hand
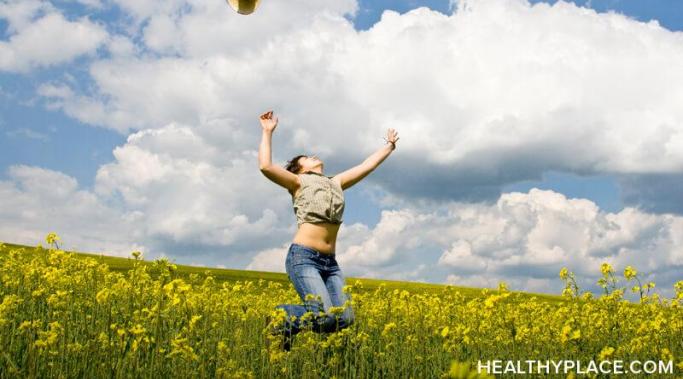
{"x": 392, "y": 136}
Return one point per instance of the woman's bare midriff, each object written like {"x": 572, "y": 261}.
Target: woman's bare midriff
{"x": 319, "y": 236}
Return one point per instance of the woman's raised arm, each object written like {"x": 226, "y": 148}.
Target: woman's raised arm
{"x": 273, "y": 172}
{"x": 355, "y": 174}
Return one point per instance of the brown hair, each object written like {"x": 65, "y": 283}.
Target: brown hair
{"x": 293, "y": 165}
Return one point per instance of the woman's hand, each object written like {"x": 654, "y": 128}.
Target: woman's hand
{"x": 392, "y": 137}
{"x": 355, "y": 174}
{"x": 267, "y": 122}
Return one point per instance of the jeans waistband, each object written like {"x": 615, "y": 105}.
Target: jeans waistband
{"x": 312, "y": 250}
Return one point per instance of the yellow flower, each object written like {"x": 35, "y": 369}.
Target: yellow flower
{"x": 102, "y": 296}
{"x": 51, "y": 238}
{"x": 502, "y": 287}
{"x": 563, "y": 273}
{"x": 182, "y": 348}
{"x": 606, "y": 353}
{"x": 667, "y": 355}
{"x": 678, "y": 286}
{"x": 137, "y": 329}
{"x": 464, "y": 370}
{"x": 576, "y": 334}
{"x": 194, "y": 320}
{"x": 567, "y": 334}
{"x": 605, "y": 268}
{"x": 103, "y": 339}
{"x": 336, "y": 310}
{"x": 388, "y": 328}
{"x": 444, "y": 332}
{"x": 25, "y": 325}
{"x": 312, "y": 297}
{"x": 630, "y": 272}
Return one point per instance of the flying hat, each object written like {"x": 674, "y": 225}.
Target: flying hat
{"x": 243, "y": 6}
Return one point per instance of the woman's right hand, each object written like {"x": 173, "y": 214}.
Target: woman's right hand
{"x": 267, "y": 122}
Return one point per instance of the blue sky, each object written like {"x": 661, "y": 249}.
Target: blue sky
{"x": 107, "y": 136}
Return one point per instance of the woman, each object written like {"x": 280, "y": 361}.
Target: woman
{"x": 318, "y": 205}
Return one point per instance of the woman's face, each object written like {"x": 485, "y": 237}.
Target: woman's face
{"x": 309, "y": 162}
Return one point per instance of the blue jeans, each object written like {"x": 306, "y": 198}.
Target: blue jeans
{"x": 316, "y": 273}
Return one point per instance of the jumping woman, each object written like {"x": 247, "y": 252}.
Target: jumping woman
{"x": 318, "y": 205}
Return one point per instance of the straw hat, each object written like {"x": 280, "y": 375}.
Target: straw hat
{"x": 243, "y": 6}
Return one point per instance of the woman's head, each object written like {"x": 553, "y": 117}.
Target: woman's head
{"x": 303, "y": 163}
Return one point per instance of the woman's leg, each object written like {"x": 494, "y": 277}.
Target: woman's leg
{"x": 310, "y": 286}
{"x": 304, "y": 270}
{"x": 335, "y": 284}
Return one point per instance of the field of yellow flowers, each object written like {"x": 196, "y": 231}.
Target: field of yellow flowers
{"x": 68, "y": 316}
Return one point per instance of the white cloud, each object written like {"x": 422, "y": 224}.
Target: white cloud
{"x": 20, "y": 13}
{"x": 460, "y": 256}
{"x": 48, "y": 40}
{"x": 160, "y": 34}
{"x": 37, "y": 201}
{"x": 200, "y": 28}
{"x": 167, "y": 190}
{"x": 579, "y": 91}
{"x": 122, "y": 47}
{"x": 191, "y": 192}
{"x": 393, "y": 232}
{"x": 523, "y": 239}
{"x": 478, "y": 281}
{"x": 270, "y": 260}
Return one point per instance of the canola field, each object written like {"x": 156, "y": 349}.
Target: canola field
{"x": 70, "y": 315}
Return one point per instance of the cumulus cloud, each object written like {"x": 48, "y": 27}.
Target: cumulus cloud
{"x": 579, "y": 91}
{"x": 36, "y": 201}
{"x": 19, "y": 14}
{"x": 193, "y": 193}
{"x": 270, "y": 259}
{"x": 41, "y": 36}
{"x": 167, "y": 190}
{"x": 523, "y": 239}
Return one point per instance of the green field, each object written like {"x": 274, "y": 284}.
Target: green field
{"x": 230, "y": 275}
